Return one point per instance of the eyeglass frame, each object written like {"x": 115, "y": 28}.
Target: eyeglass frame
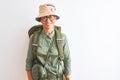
{"x": 50, "y": 17}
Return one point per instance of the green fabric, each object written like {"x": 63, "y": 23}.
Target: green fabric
{"x": 36, "y": 30}
{"x": 58, "y": 37}
{"x": 54, "y": 66}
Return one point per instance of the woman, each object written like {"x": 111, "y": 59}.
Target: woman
{"x": 48, "y": 66}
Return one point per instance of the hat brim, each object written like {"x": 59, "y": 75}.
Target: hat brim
{"x": 39, "y": 18}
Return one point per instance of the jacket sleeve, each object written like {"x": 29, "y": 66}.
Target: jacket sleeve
{"x": 67, "y": 58}
{"x": 29, "y": 57}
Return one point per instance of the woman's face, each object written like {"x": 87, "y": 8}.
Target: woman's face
{"x": 48, "y": 21}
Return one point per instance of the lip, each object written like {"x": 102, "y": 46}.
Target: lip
{"x": 48, "y": 24}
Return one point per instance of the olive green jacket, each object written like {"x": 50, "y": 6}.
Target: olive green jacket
{"x": 52, "y": 64}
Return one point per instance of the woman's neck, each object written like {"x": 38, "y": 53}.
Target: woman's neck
{"x": 48, "y": 31}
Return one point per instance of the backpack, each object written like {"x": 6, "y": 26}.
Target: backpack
{"x": 35, "y": 32}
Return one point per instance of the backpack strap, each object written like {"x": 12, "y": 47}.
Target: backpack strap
{"x": 35, "y": 31}
{"x": 35, "y": 43}
{"x": 58, "y": 37}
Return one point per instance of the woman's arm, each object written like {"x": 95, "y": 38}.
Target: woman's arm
{"x": 29, "y": 75}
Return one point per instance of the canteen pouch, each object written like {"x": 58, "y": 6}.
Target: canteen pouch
{"x": 38, "y": 72}
{"x": 35, "y": 72}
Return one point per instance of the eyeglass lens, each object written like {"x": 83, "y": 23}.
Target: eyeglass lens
{"x": 50, "y": 17}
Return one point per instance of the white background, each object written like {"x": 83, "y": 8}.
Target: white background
{"x": 92, "y": 28}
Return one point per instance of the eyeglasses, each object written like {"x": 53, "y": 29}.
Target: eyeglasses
{"x": 50, "y": 17}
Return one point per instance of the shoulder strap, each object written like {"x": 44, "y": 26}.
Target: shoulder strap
{"x": 35, "y": 31}
{"x": 58, "y": 36}
{"x": 35, "y": 43}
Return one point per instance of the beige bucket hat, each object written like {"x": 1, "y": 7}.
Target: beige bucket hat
{"x": 45, "y": 10}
